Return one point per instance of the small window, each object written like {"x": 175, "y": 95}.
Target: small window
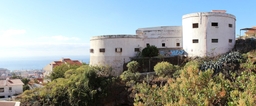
{"x": 163, "y": 44}
{"x": 1, "y": 89}
{"x": 214, "y": 40}
{"x": 10, "y": 88}
{"x": 102, "y": 50}
{"x": 230, "y": 40}
{"x": 230, "y": 25}
{"x": 137, "y": 49}
{"x": 91, "y": 51}
{"x": 177, "y": 44}
{"x": 148, "y": 44}
{"x": 214, "y": 24}
{"x": 195, "y": 41}
{"x": 118, "y": 50}
{"x": 195, "y": 25}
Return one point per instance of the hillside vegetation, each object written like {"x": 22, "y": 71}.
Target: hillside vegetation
{"x": 229, "y": 79}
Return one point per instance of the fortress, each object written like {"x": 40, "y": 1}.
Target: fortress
{"x": 201, "y": 34}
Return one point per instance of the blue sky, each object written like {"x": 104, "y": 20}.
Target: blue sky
{"x": 35, "y": 28}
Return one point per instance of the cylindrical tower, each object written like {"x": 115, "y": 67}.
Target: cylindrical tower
{"x": 113, "y": 50}
{"x": 208, "y": 33}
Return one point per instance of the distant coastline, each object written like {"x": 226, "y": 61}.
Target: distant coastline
{"x": 32, "y": 63}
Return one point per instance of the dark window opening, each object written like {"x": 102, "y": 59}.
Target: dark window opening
{"x": 102, "y": 50}
{"x": 2, "y": 96}
{"x": 10, "y": 88}
{"x": 195, "y": 41}
{"x": 1, "y": 89}
{"x": 137, "y": 49}
{"x": 195, "y": 25}
{"x": 148, "y": 44}
{"x": 214, "y": 24}
{"x": 214, "y": 40}
{"x": 91, "y": 51}
{"x": 163, "y": 44}
{"x": 177, "y": 44}
{"x": 230, "y": 40}
{"x": 118, "y": 50}
{"x": 230, "y": 25}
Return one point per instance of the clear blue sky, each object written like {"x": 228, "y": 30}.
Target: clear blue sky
{"x": 30, "y": 28}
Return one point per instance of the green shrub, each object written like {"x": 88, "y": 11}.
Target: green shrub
{"x": 150, "y": 51}
{"x": 133, "y": 66}
{"x": 164, "y": 68}
{"x": 128, "y": 76}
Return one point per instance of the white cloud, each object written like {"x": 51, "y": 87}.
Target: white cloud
{"x": 42, "y": 46}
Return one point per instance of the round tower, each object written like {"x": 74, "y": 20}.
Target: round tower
{"x": 208, "y": 33}
{"x": 113, "y": 50}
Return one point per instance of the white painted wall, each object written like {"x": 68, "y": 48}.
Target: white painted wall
{"x": 110, "y": 57}
{"x": 205, "y": 32}
{"x": 169, "y": 35}
{"x": 16, "y": 89}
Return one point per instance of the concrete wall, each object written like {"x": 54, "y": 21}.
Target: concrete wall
{"x": 169, "y": 35}
{"x": 110, "y": 57}
{"x": 206, "y": 32}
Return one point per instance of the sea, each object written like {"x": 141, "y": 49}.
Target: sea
{"x": 35, "y": 63}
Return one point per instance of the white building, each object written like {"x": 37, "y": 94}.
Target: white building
{"x": 208, "y": 33}
{"x": 115, "y": 50}
{"x": 201, "y": 34}
{"x": 10, "y": 87}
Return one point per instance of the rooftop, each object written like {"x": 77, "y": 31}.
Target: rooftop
{"x": 114, "y": 36}
{"x": 11, "y": 82}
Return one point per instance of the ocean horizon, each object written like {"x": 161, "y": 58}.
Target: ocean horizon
{"x": 35, "y": 63}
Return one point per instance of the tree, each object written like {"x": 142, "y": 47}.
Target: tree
{"x": 150, "y": 51}
{"x": 59, "y": 71}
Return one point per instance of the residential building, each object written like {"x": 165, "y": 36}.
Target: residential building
{"x": 10, "y": 87}
{"x": 49, "y": 67}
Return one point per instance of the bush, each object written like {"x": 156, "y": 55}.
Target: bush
{"x": 128, "y": 76}
{"x": 164, "y": 68}
{"x": 150, "y": 51}
{"x": 133, "y": 66}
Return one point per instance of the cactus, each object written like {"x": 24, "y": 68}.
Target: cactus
{"x": 232, "y": 58}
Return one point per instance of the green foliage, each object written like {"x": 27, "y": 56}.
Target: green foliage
{"x": 25, "y": 81}
{"x": 150, "y": 51}
{"x": 133, "y": 66}
{"x": 128, "y": 76}
{"x": 104, "y": 71}
{"x": 81, "y": 87}
{"x": 164, "y": 68}
{"x": 59, "y": 71}
{"x": 223, "y": 63}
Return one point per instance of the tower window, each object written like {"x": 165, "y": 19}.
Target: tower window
{"x": 148, "y": 44}
{"x": 230, "y": 40}
{"x": 102, "y": 49}
{"x": 214, "y": 40}
{"x": 91, "y": 51}
{"x": 214, "y": 23}
{"x": 137, "y": 49}
{"x": 195, "y": 25}
{"x": 195, "y": 41}
{"x": 163, "y": 44}
{"x": 118, "y": 50}
{"x": 230, "y": 25}
{"x": 177, "y": 44}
